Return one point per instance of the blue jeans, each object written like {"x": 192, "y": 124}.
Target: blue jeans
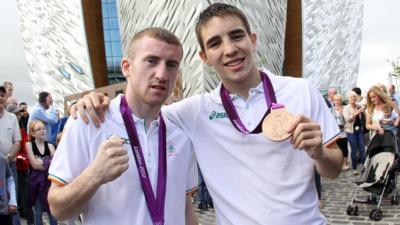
{"x": 15, "y": 216}
{"x": 357, "y": 143}
{"x": 38, "y": 212}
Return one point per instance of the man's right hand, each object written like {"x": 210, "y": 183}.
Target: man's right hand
{"x": 111, "y": 161}
{"x": 94, "y": 104}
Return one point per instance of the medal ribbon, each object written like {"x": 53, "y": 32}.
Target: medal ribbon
{"x": 154, "y": 204}
{"x": 270, "y": 98}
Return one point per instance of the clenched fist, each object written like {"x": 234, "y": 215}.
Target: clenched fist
{"x": 111, "y": 160}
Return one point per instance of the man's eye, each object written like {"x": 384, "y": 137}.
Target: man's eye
{"x": 152, "y": 61}
{"x": 173, "y": 65}
{"x": 237, "y": 37}
{"x": 213, "y": 44}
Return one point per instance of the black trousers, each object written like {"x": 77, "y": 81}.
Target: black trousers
{"x": 5, "y": 219}
{"x": 318, "y": 184}
{"x": 342, "y": 143}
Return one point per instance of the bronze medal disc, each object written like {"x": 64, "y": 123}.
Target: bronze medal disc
{"x": 276, "y": 123}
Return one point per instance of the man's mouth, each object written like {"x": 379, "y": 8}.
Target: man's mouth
{"x": 159, "y": 87}
{"x": 235, "y": 62}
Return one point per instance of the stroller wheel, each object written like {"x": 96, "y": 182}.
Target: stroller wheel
{"x": 355, "y": 211}
{"x": 349, "y": 210}
{"x": 375, "y": 214}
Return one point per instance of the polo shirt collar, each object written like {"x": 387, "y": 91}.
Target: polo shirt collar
{"x": 116, "y": 113}
{"x": 215, "y": 94}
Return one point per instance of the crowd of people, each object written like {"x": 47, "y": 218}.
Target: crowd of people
{"x": 361, "y": 118}
{"x": 142, "y": 163}
{"x": 27, "y": 145}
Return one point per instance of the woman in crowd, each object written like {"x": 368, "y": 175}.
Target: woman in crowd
{"x": 39, "y": 154}
{"x": 353, "y": 127}
{"x": 376, "y": 99}
{"x": 337, "y": 112}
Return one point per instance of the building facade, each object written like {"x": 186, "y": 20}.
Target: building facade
{"x": 77, "y": 45}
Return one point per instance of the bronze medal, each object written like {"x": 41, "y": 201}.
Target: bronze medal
{"x": 275, "y": 125}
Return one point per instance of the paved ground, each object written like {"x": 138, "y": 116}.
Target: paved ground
{"x": 336, "y": 195}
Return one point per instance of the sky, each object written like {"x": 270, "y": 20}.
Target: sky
{"x": 380, "y": 43}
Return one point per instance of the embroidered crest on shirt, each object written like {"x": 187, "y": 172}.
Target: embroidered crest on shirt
{"x": 171, "y": 150}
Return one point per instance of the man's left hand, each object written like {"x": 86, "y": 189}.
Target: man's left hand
{"x": 307, "y": 136}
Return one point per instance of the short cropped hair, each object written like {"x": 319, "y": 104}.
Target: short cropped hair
{"x": 42, "y": 96}
{"x": 219, "y": 10}
{"x": 350, "y": 93}
{"x": 157, "y": 33}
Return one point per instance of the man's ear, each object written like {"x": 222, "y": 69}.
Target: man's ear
{"x": 203, "y": 57}
{"x": 125, "y": 66}
{"x": 253, "y": 38}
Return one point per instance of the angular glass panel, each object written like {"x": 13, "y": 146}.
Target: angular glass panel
{"x": 77, "y": 68}
{"x": 107, "y": 35}
{"x": 106, "y": 25}
{"x": 114, "y": 34}
{"x": 112, "y": 10}
{"x": 113, "y": 23}
{"x": 116, "y": 48}
{"x": 64, "y": 73}
{"x": 104, "y": 10}
{"x": 107, "y": 46}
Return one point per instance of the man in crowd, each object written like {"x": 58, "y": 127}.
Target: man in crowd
{"x": 10, "y": 138}
{"x": 45, "y": 112}
{"x": 23, "y": 121}
{"x": 90, "y": 168}
{"x": 331, "y": 92}
{"x": 394, "y": 95}
{"x": 251, "y": 178}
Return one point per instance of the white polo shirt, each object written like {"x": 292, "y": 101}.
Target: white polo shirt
{"x": 251, "y": 179}
{"x": 122, "y": 201}
{"x": 9, "y": 132}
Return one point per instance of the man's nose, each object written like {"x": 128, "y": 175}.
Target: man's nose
{"x": 161, "y": 72}
{"x": 230, "y": 48}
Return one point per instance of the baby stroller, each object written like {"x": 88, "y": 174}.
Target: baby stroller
{"x": 378, "y": 175}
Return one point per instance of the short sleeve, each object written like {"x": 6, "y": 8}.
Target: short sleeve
{"x": 72, "y": 154}
{"x": 17, "y": 131}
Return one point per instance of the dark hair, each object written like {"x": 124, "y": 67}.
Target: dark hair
{"x": 219, "y": 10}
{"x": 22, "y": 103}
{"x": 3, "y": 89}
{"x": 42, "y": 96}
{"x": 357, "y": 90}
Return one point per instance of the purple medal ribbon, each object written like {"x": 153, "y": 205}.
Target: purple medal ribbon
{"x": 270, "y": 98}
{"x": 154, "y": 204}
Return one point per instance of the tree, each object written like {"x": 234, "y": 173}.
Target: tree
{"x": 396, "y": 66}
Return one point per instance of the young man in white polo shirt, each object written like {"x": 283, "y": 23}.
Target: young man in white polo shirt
{"x": 252, "y": 179}
{"x": 138, "y": 168}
